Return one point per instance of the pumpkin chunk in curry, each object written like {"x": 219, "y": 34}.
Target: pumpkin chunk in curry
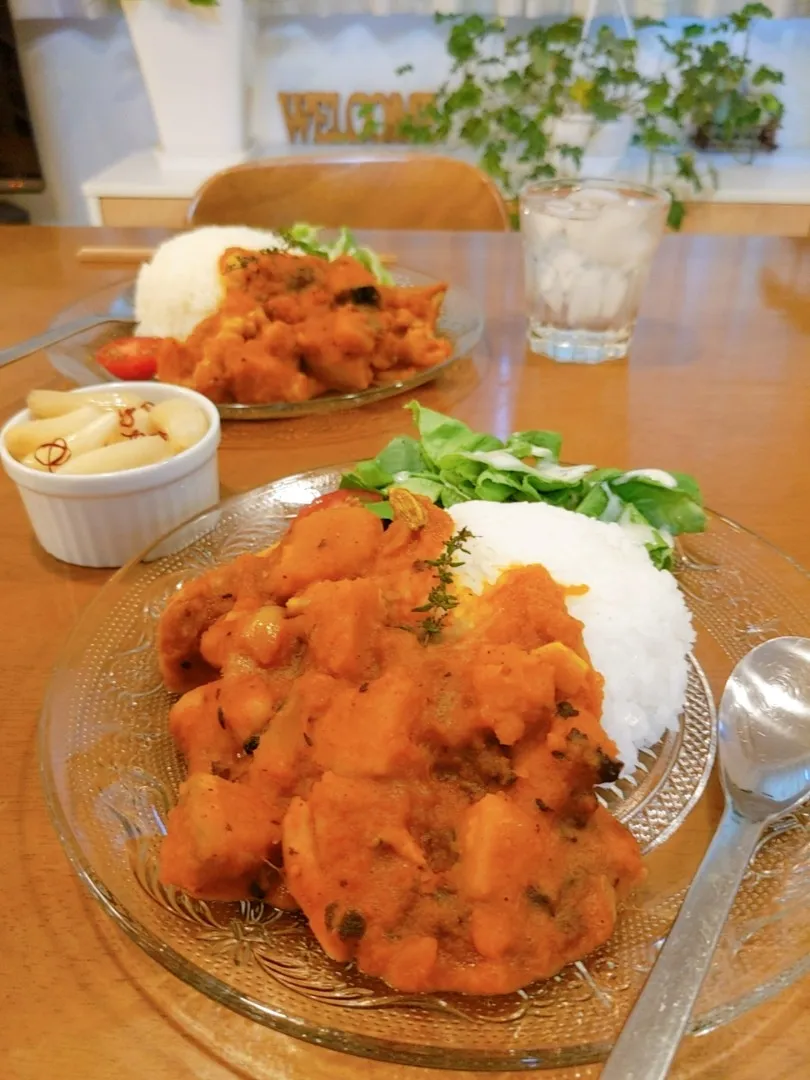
{"x": 427, "y": 799}
{"x": 293, "y": 327}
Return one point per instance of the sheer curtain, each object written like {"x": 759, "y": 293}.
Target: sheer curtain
{"x": 59, "y": 9}
{"x": 657, "y": 9}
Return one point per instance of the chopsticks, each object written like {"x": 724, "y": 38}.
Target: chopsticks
{"x": 133, "y": 255}
{"x": 114, "y": 254}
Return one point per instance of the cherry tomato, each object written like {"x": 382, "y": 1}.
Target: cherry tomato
{"x": 336, "y": 498}
{"x": 130, "y": 357}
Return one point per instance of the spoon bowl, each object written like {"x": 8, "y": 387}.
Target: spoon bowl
{"x": 764, "y": 729}
{"x": 764, "y": 754}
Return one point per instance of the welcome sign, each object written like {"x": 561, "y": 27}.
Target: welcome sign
{"x": 320, "y": 117}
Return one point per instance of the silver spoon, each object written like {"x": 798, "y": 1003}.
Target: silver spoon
{"x": 764, "y": 755}
{"x": 57, "y": 334}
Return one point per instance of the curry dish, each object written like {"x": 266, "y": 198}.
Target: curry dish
{"x": 410, "y": 764}
{"x": 293, "y": 327}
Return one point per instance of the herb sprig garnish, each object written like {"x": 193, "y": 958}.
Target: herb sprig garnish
{"x": 291, "y": 243}
{"x": 441, "y": 601}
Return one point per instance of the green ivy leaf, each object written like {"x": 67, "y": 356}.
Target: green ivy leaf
{"x": 461, "y": 44}
{"x": 657, "y": 96}
{"x": 652, "y": 138}
{"x": 475, "y": 130}
{"x": 686, "y": 169}
{"x": 677, "y": 212}
{"x": 492, "y": 159}
{"x": 765, "y": 75}
{"x": 510, "y": 120}
{"x": 535, "y": 141}
{"x": 512, "y": 82}
{"x": 572, "y": 153}
{"x": 772, "y": 105}
{"x": 742, "y": 19}
{"x": 604, "y": 111}
{"x": 467, "y": 96}
{"x": 546, "y": 171}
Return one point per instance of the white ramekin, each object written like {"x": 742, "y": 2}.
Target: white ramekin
{"x": 105, "y": 520}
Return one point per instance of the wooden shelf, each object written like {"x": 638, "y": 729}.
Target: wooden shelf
{"x": 768, "y": 198}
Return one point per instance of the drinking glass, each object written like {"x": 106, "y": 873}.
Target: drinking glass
{"x": 588, "y": 246}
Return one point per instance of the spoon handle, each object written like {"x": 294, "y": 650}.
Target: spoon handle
{"x": 650, "y": 1038}
{"x": 52, "y": 336}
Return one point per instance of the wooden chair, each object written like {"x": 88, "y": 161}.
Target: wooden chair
{"x": 409, "y": 191}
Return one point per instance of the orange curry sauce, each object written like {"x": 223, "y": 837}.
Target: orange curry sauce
{"x": 292, "y": 327}
{"x": 429, "y": 804}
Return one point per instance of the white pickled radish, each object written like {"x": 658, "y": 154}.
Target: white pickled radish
{"x": 90, "y": 437}
{"x": 132, "y": 454}
{"x": 110, "y": 399}
{"x": 25, "y": 438}
{"x": 183, "y": 421}
{"x": 135, "y": 420}
{"x": 47, "y": 403}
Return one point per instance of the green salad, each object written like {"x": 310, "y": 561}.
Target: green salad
{"x": 304, "y": 238}
{"x": 450, "y": 463}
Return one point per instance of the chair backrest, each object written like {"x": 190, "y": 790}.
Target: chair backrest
{"x": 413, "y": 191}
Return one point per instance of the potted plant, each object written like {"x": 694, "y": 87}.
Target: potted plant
{"x": 727, "y": 102}
{"x": 533, "y": 104}
{"x": 192, "y": 55}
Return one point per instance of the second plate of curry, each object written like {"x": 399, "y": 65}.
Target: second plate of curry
{"x": 459, "y": 322}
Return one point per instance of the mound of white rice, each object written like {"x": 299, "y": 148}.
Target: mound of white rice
{"x": 637, "y": 627}
{"x": 181, "y": 285}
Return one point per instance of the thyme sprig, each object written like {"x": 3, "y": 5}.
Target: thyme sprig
{"x": 441, "y": 601}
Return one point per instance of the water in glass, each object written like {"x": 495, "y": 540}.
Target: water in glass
{"x": 588, "y": 246}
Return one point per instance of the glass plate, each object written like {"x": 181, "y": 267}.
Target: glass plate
{"x": 111, "y": 773}
{"x": 460, "y": 320}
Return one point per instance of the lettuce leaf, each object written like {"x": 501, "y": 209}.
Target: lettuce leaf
{"x": 596, "y": 502}
{"x": 671, "y": 508}
{"x": 657, "y": 543}
{"x": 403, "y": 454}
{"x": 451, "y": 463}
{"x": 423, "y": 485}
{"x": 367, "y": 476}
{"x": 305, "y": 238}
{"x": 526, "y": 444}
{"x": 442, "y": 436}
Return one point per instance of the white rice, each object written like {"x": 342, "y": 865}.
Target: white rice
{"x": 182, "y": 285}
{"x": 637, "y": 627}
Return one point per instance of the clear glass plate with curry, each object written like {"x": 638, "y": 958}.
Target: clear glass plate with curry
{"x": 397, "y": 337}
{"x": 112, "y": 773}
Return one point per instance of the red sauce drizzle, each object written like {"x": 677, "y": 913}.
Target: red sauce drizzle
{"x": 56, "y": 454}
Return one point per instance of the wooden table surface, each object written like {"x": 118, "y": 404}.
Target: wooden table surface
{"x": 717, "y": 385}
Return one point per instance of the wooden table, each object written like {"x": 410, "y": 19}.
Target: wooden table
{"x": 717, "y": 385}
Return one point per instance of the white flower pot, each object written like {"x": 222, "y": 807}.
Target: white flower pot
{"x": 604, "y": 144}
{"x": 193, "y": 65}
{"x": 608, "y": 147}
{"x": 573, "y": 129}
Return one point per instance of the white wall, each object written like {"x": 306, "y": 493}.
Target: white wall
{"x": 346, "y": 54}
{"x": 88, "y": 106}
{"x": 343, "y": 54}
{"x": 90, "y": 109}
